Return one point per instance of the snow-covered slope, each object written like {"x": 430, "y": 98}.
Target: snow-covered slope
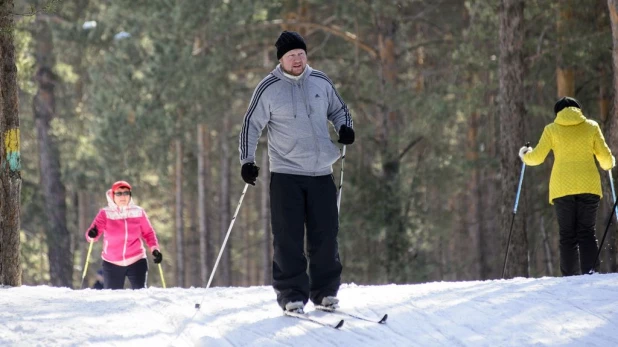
{"x": 573, "y": 311}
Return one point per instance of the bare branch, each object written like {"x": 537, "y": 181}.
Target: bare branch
{"x": 333, "y": 29}
{"x": 47, "y": 8}
{"x": 410, "y": 146}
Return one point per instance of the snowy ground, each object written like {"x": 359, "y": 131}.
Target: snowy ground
{"x": 575, "y": 311}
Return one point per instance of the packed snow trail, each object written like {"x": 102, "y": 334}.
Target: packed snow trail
{"x": 574, "y": 311}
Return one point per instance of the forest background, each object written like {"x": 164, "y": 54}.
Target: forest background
{"x": 443, "y": 94}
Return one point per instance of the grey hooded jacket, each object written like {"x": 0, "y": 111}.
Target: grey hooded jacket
{"x": 296, "y": 114}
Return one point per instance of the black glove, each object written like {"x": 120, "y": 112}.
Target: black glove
{"x": 158, "y": 257}
{"x": 92, "y": 233}
{"x": 346, "y": 135}
{"x": 249, "y": 173}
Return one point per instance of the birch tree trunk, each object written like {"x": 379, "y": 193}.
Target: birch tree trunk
{"x": 10, "y": 161}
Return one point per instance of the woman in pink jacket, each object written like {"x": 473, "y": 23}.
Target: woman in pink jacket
{"x": 123, "y": 226}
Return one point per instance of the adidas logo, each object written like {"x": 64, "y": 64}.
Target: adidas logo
{"x": 317, "y": 95}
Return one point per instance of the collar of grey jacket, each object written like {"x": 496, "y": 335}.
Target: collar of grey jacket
{"x": 284, "y": 76}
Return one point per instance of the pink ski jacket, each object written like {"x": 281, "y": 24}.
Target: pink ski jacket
{"x": 123, "y": 230}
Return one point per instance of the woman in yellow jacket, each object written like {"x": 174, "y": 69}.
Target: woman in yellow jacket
{"x": 575, "y": 183}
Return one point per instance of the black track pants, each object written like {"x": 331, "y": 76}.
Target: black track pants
{"x": 114, "y": 275}
{"x": 296, "y": 201}
{"x": 577, "y": 216}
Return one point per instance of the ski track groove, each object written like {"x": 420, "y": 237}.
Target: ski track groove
{"x": 379, "y": 314}
{"x": 436, "y": 328}
{"x": 348, "y": 328}
{"x": 570, "y": 301}
{"x": 401, "y": 336}
{"x": 605, "y": 319}
{"x": 351, "y": 324}
{"x": 256, "y": 331}
{"x": 462, "y": 325}
{"x": 475, "y": 303}
{"x": 311, "y": 329}
{"x": 179, "y": 324}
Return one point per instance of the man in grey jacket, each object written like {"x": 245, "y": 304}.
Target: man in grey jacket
{"x": 295, "y": 103}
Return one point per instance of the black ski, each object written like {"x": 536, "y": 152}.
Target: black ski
{"x": 344, "y": 313}
{"x": 308, "y": 318}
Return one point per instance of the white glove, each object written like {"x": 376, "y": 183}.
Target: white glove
{"x": 523, "y": 151}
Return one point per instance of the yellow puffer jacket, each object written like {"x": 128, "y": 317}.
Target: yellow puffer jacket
{"x": 575, "y": 141}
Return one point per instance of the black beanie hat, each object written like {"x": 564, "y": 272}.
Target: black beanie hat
{"x": 287, "y": 41}
{"x": 565, "y": 102}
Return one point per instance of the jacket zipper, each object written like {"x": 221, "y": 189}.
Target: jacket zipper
{"x": 315, "y": 136}
{"x": 126, "y": 238}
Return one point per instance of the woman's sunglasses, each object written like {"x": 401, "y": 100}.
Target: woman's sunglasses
{"x": 127, "y": 193}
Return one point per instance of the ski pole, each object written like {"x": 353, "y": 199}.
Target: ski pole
{"x": 86, "y": 265}
{"x": 508, "y": 243}
{"x": 161, "y": 273}
{"x": 214, "y": 269}
{"x": 341, "y": 179}
{"x": 609, "y": 221}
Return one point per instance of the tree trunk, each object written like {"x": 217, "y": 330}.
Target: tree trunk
{"x": 10, "y": 161}
{"x": 82, "y": 225}
{"x": 225, "y": 262}
{"x": 612, "y": 119}
{"x": 565, "y": 81}
{"x": 192, "y": 272}
{"x": 547, "y": 260}
{"x": 474, "y": 215}
{"x": 488, "y": 195}
{"x": 565, "y": 74}
{"x": 180, "y": 249}
{"x": 203, "y": 184}
{"x": 265, "y": 222}
{"x": 247, "y": 235}
{"x": 511, "y": 131}
{"x": 267, "y": 249}
{"x": 396, "y": 238}
{"x": 607, "y": 259}
{"x": 58, "y": 236}
{"x": 488, "y": 239}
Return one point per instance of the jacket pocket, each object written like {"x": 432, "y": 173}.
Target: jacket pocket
{"x": 302, "y": 153}
{"x": 329, "y": 153}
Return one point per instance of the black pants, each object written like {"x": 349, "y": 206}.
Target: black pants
{"x": 295, "y": 202}
{"x": 577, "y": 216}
{"x": 114, "y": 275}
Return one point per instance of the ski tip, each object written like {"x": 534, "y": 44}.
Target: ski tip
{"x": 383, "y": 320}
{"x": 339, "y": 325}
